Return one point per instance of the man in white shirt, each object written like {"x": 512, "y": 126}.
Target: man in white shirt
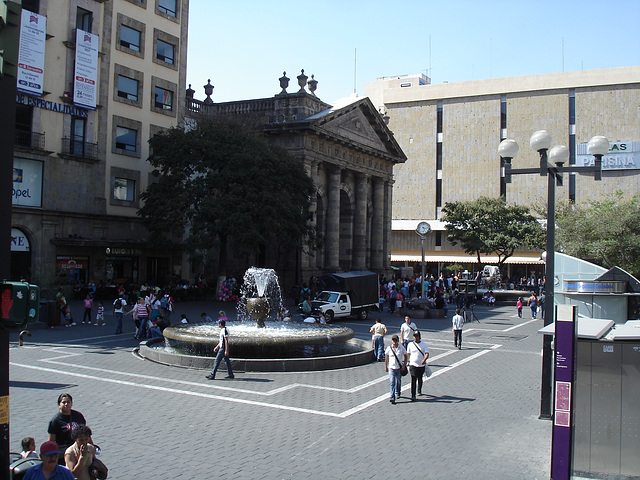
{"x": 118, "y": 312}
{"x": 407, "y": 330}
{"x": 418, "y": 353}
{"x": 395, "y": 358}
{"x": 457, "y": 321}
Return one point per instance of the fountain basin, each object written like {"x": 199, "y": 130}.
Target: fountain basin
{"x": 360, "y": 353}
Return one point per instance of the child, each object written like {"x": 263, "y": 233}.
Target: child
{"x": 519, "y": 305}
{"x": 100, "y": 315}
{"x": 88, "y": 305}
{"x": 183, "y": 318}
{"x": 29, "y": 448}
{"x": 67, "y": 316}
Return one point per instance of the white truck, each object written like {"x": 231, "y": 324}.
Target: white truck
{"x": 345, "y": 294}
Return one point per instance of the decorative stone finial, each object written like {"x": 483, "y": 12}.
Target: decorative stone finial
{"x": 208, "y": 90}
{"x": 284, "y": 83}
{"x": 302, "y": 81}
{"x": 313, "y": 85}
{"x": 190, "y": 92}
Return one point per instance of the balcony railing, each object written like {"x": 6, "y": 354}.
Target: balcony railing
{"x": 79, "y": 148}
{"x": 32, "y": 140}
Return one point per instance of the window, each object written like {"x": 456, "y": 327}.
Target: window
{"x": 164, "y": 99}
{"x": 24, "y": 116}
{"x": 164, "y": 51}
{"x": 124, "y": 189}
{"x": 78, "y": 134}
{"x": 127, "y": 88}
{"x": 126, "y": 139}
{"x": 31, "y": 5}
{"x": 168, "y": 7}
{"x": 84, "y": 19}
{"x": 130, "y": 38}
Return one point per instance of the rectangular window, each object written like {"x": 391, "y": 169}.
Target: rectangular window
{"x": 439, "y": 119}
{"x": 84, "y": 19}
{"x": 164, "y": 98}
{"x": 126, "y": 139}
{"x": 572, "y": 107}
{"x": 78, "y": 134}
{"x": 439, "y": 156}
{"x": 127, "y": 88}
{"x": 438, "y": 238}
{"x": 124, "y": 189}
{"x": 24, "y": 116}
{"x": 503, "y": 112}
{"x": 130, "y": 38}
{"x": 165, "y": 51}
{"x": 167, "y": 6}
{"x": 438, "y": 192}
{"x": 31, "y": 5}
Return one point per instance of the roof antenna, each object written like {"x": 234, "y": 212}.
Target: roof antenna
{"x": 355, "y": 60}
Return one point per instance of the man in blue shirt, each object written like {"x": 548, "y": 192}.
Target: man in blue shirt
{"x": 49, "y": 468}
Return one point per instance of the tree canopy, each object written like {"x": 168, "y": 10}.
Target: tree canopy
{"x": 491, "y": 226}
{"x": 220, "y": 186}
{"x": 604, "y": 231}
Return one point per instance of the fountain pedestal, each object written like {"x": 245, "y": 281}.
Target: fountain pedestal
{"x": 259, "y": 308}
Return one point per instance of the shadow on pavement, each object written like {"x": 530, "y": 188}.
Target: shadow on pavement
{"x": 41, "y": 385}
{"x": 444, "y": 399}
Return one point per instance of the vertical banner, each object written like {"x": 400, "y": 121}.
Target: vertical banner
{"x": 85, "y": 78}
{"x": 33, "y": 33}
{"x": 564, "y": 368}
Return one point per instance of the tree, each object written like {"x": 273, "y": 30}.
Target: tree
{"x": 220, "y": 186}
{"x": 490, "y": 226}
{"x": 604, "y": 231}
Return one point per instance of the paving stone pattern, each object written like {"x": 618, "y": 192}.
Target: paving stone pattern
{"x": 478, "y": 418}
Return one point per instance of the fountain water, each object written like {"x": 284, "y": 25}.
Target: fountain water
{"x": 267, "y": 344}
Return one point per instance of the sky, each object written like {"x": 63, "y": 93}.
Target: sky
{"x": 244, "y": 46}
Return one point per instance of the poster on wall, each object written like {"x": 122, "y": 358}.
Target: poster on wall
{"x": 33, "y": 31}
{"x": 85, "y": 77}
{"x": 72, "y": 268}
{"x": 27, "y": 183}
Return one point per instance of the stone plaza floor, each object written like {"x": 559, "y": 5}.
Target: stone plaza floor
{"x": 478, "y": 417}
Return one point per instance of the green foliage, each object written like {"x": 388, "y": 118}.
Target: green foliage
{"x": 218, "y": 183}
{"x": 490, "y": 226}
{"x": 604, "y": 231}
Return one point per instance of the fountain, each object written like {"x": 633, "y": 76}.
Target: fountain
{"x": 259, "y": 342}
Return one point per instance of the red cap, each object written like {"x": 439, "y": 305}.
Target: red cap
{"x": 49, "y": 448}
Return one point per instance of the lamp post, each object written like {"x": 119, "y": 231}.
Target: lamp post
{"x": 552, "y": 165}
{"x": 422, "y": 230}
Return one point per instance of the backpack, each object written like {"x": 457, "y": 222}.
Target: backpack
{"x": 118, "y": 304}
{"x": 164, "y": 302}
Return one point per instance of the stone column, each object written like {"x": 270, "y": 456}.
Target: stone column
{"x": 388, "y": 203}
{"x": 377, "y": 227}
{"x": 307, "y": 261}
{"x": 360, "y": 224}
{"x": 332, "y": 232}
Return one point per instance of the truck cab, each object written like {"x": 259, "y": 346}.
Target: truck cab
{"x": 336, "y": 305}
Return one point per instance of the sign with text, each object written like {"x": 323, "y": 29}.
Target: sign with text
{"x": 33, "y": 32}
{"x": 564, "y": 368}
{"x": 621, "y": 156}
{"x": 85, "y": 78}
{"x": 19, "y": 241}
{"x": 27, "y": 182}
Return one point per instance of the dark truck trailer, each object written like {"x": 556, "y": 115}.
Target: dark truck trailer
{"x": 347, "y": 293}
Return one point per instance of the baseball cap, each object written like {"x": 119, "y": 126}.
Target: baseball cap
{"x": 49, "y": 448}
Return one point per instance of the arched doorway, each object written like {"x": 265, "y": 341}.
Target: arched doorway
{"x": 20, "y": 255}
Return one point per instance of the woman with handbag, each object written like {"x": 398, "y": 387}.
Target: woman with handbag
{"x": 395, "y": 362}
{"x": 418, "y": 354}
{"x": 80, "y": 455}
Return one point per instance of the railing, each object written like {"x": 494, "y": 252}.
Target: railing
{"x": 79, "y": 148}
{"x": 259, "y": 106}
{"x": 32, "y": 140}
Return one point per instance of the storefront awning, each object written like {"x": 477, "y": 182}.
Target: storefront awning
{"x": 442, "y": 257}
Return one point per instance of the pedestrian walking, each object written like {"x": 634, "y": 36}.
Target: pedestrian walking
{"x": 407, "y": 330}
{"x": 119, "y": 305}
{"x": 395, "y": 360}
{"x": 519, "y": 305}
{"x": 457, "y": 321}
{"x": 418, "y": 353}
{"x": 378, "y": 331}
{"x": 533, "y": 303}
{"x": 222, "y": 351}
{"x": 88, "y": 306}
{"x": 541, "y": 300}
{"x": 100, "y": 315}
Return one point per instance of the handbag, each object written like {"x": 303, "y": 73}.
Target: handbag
{"x": 98, "y": 470}
{"x": 403, "y": 368}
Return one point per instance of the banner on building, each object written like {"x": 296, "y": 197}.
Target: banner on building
{"x": 621, "y": 156}
{"x": 27, "y": 182}
{"x": 33, "y": 35}
{"x": 85, "y": 79}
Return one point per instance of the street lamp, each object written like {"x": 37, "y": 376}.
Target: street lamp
{"x": 422, "y": 229}
{"x": 552, "y": 165}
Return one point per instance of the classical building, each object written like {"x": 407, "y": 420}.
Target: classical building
{"x": 451, "y": 132}
{"x": 111, "y": 75}
{"x": 348, "y": 151}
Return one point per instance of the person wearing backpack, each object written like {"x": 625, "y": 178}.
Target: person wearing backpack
{"x": 118, "y": 312}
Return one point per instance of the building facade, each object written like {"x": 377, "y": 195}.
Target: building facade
{"x": 112, "y": 75}
{"x": 451, "y": 132}
{"x": 349, "y": 153}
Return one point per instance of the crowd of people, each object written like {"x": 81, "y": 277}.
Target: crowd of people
{"x": 69, "y": 453}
